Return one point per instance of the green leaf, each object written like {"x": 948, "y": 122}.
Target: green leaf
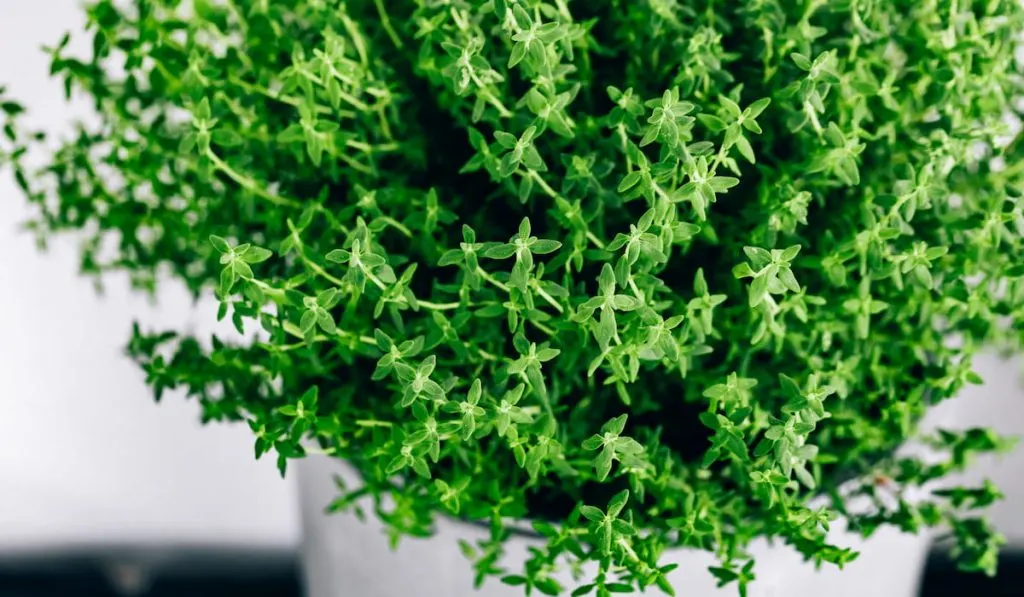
{"x": 326, "y": 322}
{"x": 517, "y": 55}
{"x": 327, "y": 298}
{"x": 603, "y": 463}
{"x": 450, "y": 257}
{"x": 746, "y": 150}
{"x": 709, "y": 419}
{"x": 226, "y": 137}
{"x": 720, "y": 184}
{"x": 789, "y": 386}
{"x": 591, "y": 513}
{"x": 506, "y": 140}
{"x": 626, "y": 303}
{"x": 257, "y": 255}
{"x": 617, "y": 503}
{"x": 513, "y": 580}
{"x": 801, "y": 61}
{"x": 202, "y": 111}
{"x": 547, "y": 586}
{"x": 805, "y": 477}
{"x": 242, "y": 269}
{"x": 500, "y": 252}
{"x": 543, "y": 247}
{"x": 220, "y": 244}
{"x": 386, "y": 274}
{"x": 755, "y": 109}
{"x": 227, "y": 281}
{"x": 628, "y": 182}
{"x": 714, "y": 123}
{"x": 338, "y": 256}
{"x": 743, "y": 270}
{"x": 758, "y": 290}
{"x": 308, "y": 321}
{"x": 615, "y": 426}
{"x": 395, "y": 465}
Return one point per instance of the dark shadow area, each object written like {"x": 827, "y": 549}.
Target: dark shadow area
{"x": 942, "y": 579}
{"x": 191, "y": 573}
{"x": 228, "y": 575}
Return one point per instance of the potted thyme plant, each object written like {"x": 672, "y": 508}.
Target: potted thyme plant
{"x": 601, "y": 289}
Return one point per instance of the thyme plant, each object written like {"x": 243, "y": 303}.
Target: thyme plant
{"x": 647, "y": 273}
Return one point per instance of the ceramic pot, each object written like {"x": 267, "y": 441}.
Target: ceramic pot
{"x": 344, "y": 556}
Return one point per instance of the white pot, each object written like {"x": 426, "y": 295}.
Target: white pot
{"x": 343, "y": 556}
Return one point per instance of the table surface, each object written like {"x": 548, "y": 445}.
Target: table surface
{"x": 280, "y": 579}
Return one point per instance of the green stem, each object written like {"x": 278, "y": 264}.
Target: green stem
{"x": 248, "y": 183}
{"x": 271, "y": 291}
{"x": 635, "y": 289}
{"x": 385, "y": 20}
{"x": 292, "y": 329}
{"x": 551, "y": 192}
{"x": 487, "y": 95}
{"x": 356, "y": 164}
{"x": 373, "y": 423}
{"x": 550, "y": 299}
{"x": 320, "y": 271}
{"x": 486, "y": 355}
{"x": 377, "y": 281}
{"x": 504, "y": 288}
{"x": 546, "y": 401}
{"x": 312, "y": 265}
{"x": 540, "y": 326}
{"x": 438, "y": 306}
{"x": 397, "y": 225}
{"x": 353, "y": 101}
{"x": 317, "y": 269}
{"x": 286, "y": 99}
{"x": 368, "y": 148}
{"x": 491, "y": 279}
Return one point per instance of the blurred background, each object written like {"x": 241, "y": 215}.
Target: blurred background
{"x": 104, "y": 492}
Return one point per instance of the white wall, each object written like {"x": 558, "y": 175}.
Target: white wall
{"x": 86, "y": 457}
{"x": 999, "y": 403}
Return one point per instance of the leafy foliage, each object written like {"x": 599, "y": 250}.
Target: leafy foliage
{"x": 651, "y": 273}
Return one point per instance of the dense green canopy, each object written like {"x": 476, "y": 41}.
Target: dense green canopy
{"x": 655, "y": 271}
